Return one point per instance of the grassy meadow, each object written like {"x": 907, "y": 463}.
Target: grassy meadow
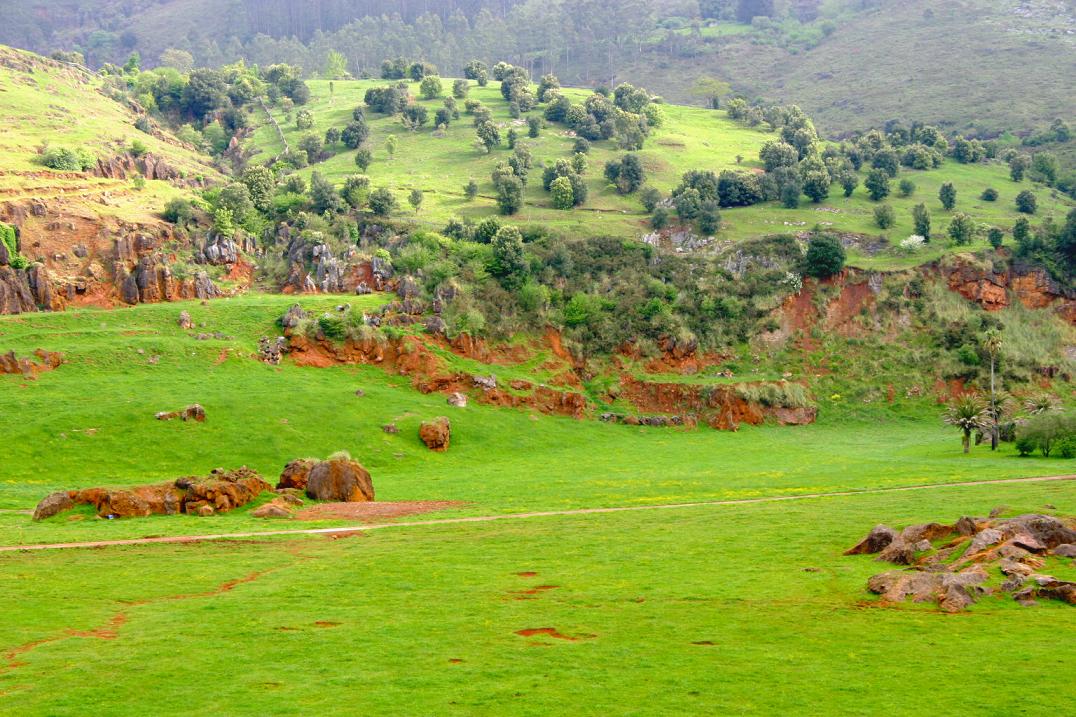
{"x": 691, "y": 138}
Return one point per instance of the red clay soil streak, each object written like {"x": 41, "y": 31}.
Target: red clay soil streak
{"x": 552, "y": 632}
{"x": 110, "y": 630}
{"x": 365, "y": 511}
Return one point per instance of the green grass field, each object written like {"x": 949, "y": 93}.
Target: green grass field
{"x": 692, "y": 138}
{"x": 682, "y": 610}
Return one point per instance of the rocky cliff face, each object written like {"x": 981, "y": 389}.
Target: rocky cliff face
{"x": 996, "y": 286}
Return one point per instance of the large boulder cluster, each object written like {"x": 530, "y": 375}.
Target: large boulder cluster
{"x": 953, "y": 565}
{"x": 339, "y": 479}
{"x": 219, "y": 492}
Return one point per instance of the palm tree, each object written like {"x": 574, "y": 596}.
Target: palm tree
{"x": 992, "y": 344}
{"x": 1043, "y": 403}
{"x": 968, "y": 413}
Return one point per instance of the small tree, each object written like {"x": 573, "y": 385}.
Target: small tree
{"x": 1026, "y": 202}
{"x": 561, "y": 191}
{"x": 947, "y": 195}
{"x": 849, "y": 182}
{"x": 968, "y": 414}
{"x": 470, "y": 190}
{"x": 992, "y": 344}
{"x": 382, "y": 202}
{"x": 921, "y": 217}
{"x": 534, "y": 127}
{"x": 363, "y": 158}
{"x": 962, "y": 229}
{"x": 660, "y": 218}
{"x": 460, "y": 89}
{"x": 355, "y": 134}
{"x": 884, "y": 216}
{"x": 816, "y": 185}
{"x": 877, "y": 185}
{"x": 995, "y": 236}
{"x": 332, "y": 136}
{"x": 989, "y": 195}
{"x": 415, "y": 199}
{"x": 431, "y": 87}
{"x": 1018, "y": 166}
{"x": 650, "y": 197}
{"x": 906, "y": 187}
{"x": 304, "y": 120}
{"x": 488, "y": 135}
{"x": 825, "y": 257}
{"x": 1021, "y": 231}
{"x": 509, "y": 263}
{"x": 391, "y": 144}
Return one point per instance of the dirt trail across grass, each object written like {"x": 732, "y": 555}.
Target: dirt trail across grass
{"x": 519, "y": 516}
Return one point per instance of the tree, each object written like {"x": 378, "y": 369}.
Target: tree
{"x": 431, "y": 87}
{"x": 335, "y": 67}
{"x": 415, "y": 116}
{"x": 776, "y": 153}
{"x": 356, "y": 133}
{"x": 962, "y": 229}
{"x": 968, "y": 414}
{"x": 650, "y": 198}
{"x": 312, "y": 145}
{"x": 561, "y": 189}
{"x": 304, "y": 119}
{"x": 660, "y": 218}
{"x": 260, "y": 184}
{"x": 1021, "y": 231}
{"x": 509, "y": 263}
{"x": 877, "y": 185}
{"x": 921, "y": 217}
{"x": 709, "y": 218}
{"x": 548, "y": 86}
{"x": 790, "y": 194}
{"x": 363, "y": 158}
{"x": 391, "y": 143}
{"x": 825, "y": 256}
{"x": 626, "y": 174}
{"x": 995, "y": 237}
{"x": 486, "y": 230}
{"x": 415, "y": 199}
{"x": 488, "y": 135}
{"x": 513, "y": 136}
{"x": 356, "y": 190}
{"x": 711, "y": 90}
{"x": 887, "y": 160}
{"x": 992, "y": 345}
{"x": 947, "y": 195}
{"x": 382, "y": 202}
{"x": 906, "y": 187}
{"x": 442, "y": 118}
{"x": 1046, "y": 166}
{"x": 509, "y": 194}
{"x": 181, "y": 60}
{"x": 1018, "y": 166}
{"x": 1026, "y": 203}
{"x": 470, "y": 190}
{"x": 476, "y": 70}
{"x": 534, "y": 127}
{"x": 989, "y": 195}
{"x": 332, "y": 136}
{"x": 849, "y": 182}
{"x": 816, "y": 184}
{"x": 460, "y": 89}
{"x": 323, "y": 196}
{"x": 884, "y": 216}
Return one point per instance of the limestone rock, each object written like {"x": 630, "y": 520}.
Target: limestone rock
{"x": 436, "y": 434}
{"x": 340, "y": 480}
{"x": 458, "y": 400}
{"x": 53, "y": 504}
{"x": 296, "y": 474}
{"x": 876, "y": 541}
{"x": 194, "y": 412}
{"x": 185, "y": 321}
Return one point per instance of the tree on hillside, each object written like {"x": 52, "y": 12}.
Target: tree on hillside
{"x": 415, "y": 199}
{"x": 364, "y": 158}
{"x": 711, "y": 90}
{"x": 181, "y": 60}
{"x": 304, "y": 119}
{"x": 824, "y": 258}
{"x": 816, "y": 183}
{"x": 992, "y": 345}
{"x": 626, "y": 174}
{"x": 431, "y": 87}
{"x": 261, "y": 184}
{"x": 1026, "y": 203}
{"x": 562, "y": 195}
{"x": 488, "y": 135}
{"x": 382, "y": 202}
{"x": 947, "y": 195}
{"x": 921, "y": 217}
{"x": 509, "y": 263}
{"x": 968, "y": 414}
{"x": 776, "y": 153}
{"x": 962, "y": 229}
{"x": 355, "y": 134}
{"x": 1018, "y": 166}
{"x": 323, "y": 195}
{"x": 877, "y": 184}
{"x": 884, "y": 216}
{"x": 335, "y": 67}
{"x": 460, "y": 89}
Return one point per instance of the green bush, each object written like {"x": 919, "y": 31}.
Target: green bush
{"x": 1047, "y": 432}
{"x": 1025, "y": 445}
{"x": 68, "y": 160}
{"x": 332, "y": 327}
{"x": 1066, "y": 447}
{"x": 825, "y": 257}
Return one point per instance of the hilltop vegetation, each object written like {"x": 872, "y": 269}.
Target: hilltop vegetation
{"x": 852, "y": 65}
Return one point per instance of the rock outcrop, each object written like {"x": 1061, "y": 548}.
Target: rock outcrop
{"x": 194, "y": 412}
{"x": 296, "y": 474}
{"x": 219, "y": 492}
{"x": 957, "y": 573}
{"x": 46, "y": 361}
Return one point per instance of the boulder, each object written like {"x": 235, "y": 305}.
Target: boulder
{"x": 123, "y": 504}
{"x": 274, "y": 509}
{"x": 53, "y": 504}
{"x": 876, "y": 541}
{"x": 458, "y": 400}
{"x": 486, "y": 383}
{"x": 296, "y": 474}
{"x": 925, "y": 531}
{"x": 1048, "y": 530}
{"x": 222, "y": 490}
{"x": 340, "y": 480}
{"x": 436, "y": 434}
{"x": 1065, "y": 550}
{"x": 194, "y": 412}
{"x": 391, "y": 429}
{"x": 185, "y": 321}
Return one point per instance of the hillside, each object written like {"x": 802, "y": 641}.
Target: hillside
{"x": 72, "y": 221}
{"x": 690, "y": 139}
{"x": 851, "y": 65}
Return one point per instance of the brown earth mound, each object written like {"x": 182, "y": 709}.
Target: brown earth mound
{"x": 957, "y": 572}
{"x": 219, "y": 492}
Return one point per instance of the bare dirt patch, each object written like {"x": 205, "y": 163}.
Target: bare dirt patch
{"x": 374, "y": 511}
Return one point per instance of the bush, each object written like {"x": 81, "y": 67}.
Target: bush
{"x": 1066, "y": 447}
{"x": 1026, "y": 202}
{"x": 825, "y": 257}
{"x": 139, "y": 148}
{"x": 906, "y": 187}
{"x": 1046, "y": 432}
{"x": 884, "y": 216}
{"x": 1025, "y": 445}
{"x": 382, "y": 202}
{"x": 989, "y": 195}
{"x": 68, "y": 160}
{"x": 178, "y": 211}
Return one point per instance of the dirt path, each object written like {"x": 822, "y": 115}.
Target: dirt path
{"x": 521, "y": 516}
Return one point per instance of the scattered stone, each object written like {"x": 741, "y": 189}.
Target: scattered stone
{"x": 193, "y": 412}
{"x": 273, "y": 509}
{"x": 1067, "y": 550}
{"x": 436, "y": 434}
{"x": 457, "y": 400}
{"x": 340, "y": 480}
{"x": 46, "y": 361}
{"x": 185, "y": 321}
{"x": 272, "y": 351}
{"x": 486, "y": 383}
{"x": 359, "y": 393}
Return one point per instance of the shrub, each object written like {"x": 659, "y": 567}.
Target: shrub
{"x": 563, "y": 196}
{"x": 906, "y": 187}
{"x": 304, "y": 120}
{"x": 1046, "y": 432}
{"x": 332, "y": 327}
{"x": 363, "y": 158}
{"x": 68, "y": 160}
{"x": 1026, "y": 202}
{"x": 1025, "y": 445}
{"x": 1066, "y": 447}
{"x": 382, "y": 202}
{"x": 178, "y": 211}
{"x": 877, "y": 185}
{"x": 989, "y": 195}
{"x": 884, "y": 216}
{"x": 431, "y": 87}
{"x": 825, "y": 257}
{"x": 660, "y": 218}
{"x": 470, "y": 190}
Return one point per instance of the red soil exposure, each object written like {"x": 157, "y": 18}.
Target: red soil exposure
{"x": 326, "y": 623}
{"x": 719, "y": 406}
{"x": 527, "y": 574}
{"x": 537, "y": 590}
{"x": 371, "y": 511}
{"x": 991, "y": 288}
{"x": 550, "y": 631}
{"x": 46, "y": 361}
